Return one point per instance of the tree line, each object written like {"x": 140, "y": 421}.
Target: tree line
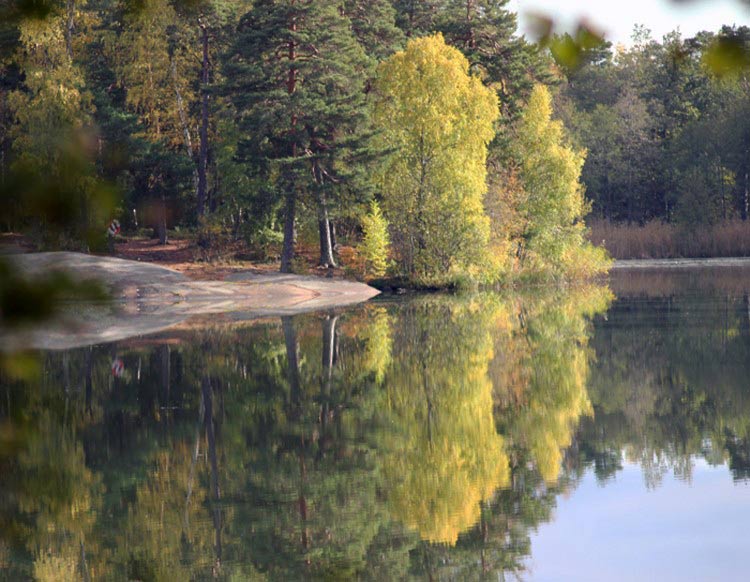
{"x": 665, "y": 124}
{"x": 420, "y": 131}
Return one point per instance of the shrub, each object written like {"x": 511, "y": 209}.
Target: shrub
{"x": 375, "y": 242}
{"x": 214, "y": 242}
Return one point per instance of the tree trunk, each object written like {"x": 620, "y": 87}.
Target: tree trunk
{"x": 324, "y": 228}
{"x": 85, "y": 575}
{"x": 203, "y": 155}
{"x": 723, "y": 194}
{"x": 70, "y": 25}
{"x": 292, "y": 358}
{"x": 328, "y": 361}
{"x": 182, "y": 115}
{"x": 333, "y": 234}
{"x": 214, "y": 461}
{"x": 194, "y": 459}
{"x": 89, "y": 380}
{"x": 287, "y": 252}
{"x": 164, "y": 360}
{"x": 302, "y": 501}
{"x": 66, "y": 372}
{"x": 161, "y": 226}
{"x": 746, "y": 199}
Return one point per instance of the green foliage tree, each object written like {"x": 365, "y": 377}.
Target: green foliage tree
{"x": 374, "y": 25}
{"x": 437, "y": 120}
{"x": 299, "y": 448}
{"x": 52, "y": 181}
{"x": 155, "y": 65}
{"x": 297, "y": 76}
{"x": 685, "y": 398}
{"x": 417, "y": 17}
{"x": 654, "y": 112}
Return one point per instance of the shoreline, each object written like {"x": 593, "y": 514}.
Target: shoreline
{"x": 147, "y": 298}
{"x": 688, "y": 263}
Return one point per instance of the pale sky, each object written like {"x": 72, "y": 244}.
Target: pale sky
{"x": 616, "y": 18}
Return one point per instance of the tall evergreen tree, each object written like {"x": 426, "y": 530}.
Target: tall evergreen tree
{"x": 297, "y": 77}
{"x": 486, "y": 32}
{"x": 417, "y": 17}
{"x": 374, "y": 24}
{"x": 204, "y": 24}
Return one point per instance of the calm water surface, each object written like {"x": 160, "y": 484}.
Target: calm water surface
{"x": 597, "y": 433}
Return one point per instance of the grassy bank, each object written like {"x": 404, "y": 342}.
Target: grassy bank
{"x": 657, "y": 240}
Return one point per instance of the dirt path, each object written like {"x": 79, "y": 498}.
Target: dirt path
{"x": 149, "y": 298}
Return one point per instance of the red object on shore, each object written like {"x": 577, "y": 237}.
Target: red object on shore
{"x": 118, "y": 367}
{"x": 114, "y": 228}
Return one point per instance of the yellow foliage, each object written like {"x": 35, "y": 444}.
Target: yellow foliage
{"x": 437, "y": 120}
{"x": 156, "y": 81}
{"x": 375, "y": 241}
{"x": 442, "y": 453}
{"x": 542, "y": 380}
{"x": 53, "y": 101}
{"x": 379, "y": 345}
{"x": 552, "y": 207}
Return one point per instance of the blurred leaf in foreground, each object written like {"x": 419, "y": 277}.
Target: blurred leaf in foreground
{"x": 23, "y": 366}
{"x": 729, "y": 53}
{"x": 27, "y": 299}
{"x": 569, "y": 51}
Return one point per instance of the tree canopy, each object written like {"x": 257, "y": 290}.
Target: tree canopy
{"x": 437, "y": 120}
{"x": 278, "y": 122}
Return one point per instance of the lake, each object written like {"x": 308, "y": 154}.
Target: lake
{"x": 592, "y": 433}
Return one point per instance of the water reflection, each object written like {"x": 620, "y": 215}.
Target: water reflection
{"x": 427, "y": 437}
{"x": 671, "y": 381}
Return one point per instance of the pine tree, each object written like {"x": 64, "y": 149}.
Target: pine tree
{"x": 374, "y": 25}
{"x": 417, "y": 17}
{"x": 485, "y": 31}
{"x": 205, "y": 24}
{"x": 155, "y": 66}
{"x": 297, "y": 77}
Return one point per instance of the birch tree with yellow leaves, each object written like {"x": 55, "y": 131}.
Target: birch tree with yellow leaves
{"x": 552, "y": 206}
{"x": 436, "y": 121}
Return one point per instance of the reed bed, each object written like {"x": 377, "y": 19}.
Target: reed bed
{"x": 658, "y": 240}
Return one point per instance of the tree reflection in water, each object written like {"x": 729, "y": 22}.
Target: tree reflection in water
{"x": 406, "y": 438}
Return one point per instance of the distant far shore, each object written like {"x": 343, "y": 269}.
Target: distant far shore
{"x": 624, "y": 264}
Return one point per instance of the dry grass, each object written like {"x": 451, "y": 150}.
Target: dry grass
{"x": 657, "y": 240}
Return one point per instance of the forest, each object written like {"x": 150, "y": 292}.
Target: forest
{"x": 665, "y": 126}
{"x": 426, "y": 141}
